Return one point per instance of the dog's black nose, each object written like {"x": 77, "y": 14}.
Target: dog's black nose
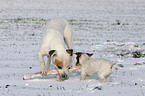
{"x": 64, "y": 76}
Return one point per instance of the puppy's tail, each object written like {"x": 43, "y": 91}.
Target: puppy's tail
{"x": 113, "y": 63}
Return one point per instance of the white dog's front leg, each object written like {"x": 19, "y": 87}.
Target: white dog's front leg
{"x": 48, "y": 62}
{"x": 42, "y": 63}
{"x": 58, "y": 78}
{"x": 69, "y": 41}
{"x": 87, "y": 77}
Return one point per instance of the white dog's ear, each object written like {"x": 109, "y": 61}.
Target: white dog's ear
{"x": 52, "y": 53}
{"x": 89, "y": 54}
{"x": 70, "y": 51}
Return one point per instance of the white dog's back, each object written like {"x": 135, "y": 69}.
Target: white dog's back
{"x": 54, "y": 33}
{"x": 56, "y": 24}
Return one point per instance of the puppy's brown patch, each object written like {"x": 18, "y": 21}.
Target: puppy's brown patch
{"x": 89, "y": 54}
{"x": 78, "y": 54}
{"x": 78, "y": 57}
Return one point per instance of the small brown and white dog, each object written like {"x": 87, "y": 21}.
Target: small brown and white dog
{"x": 56, "y": 35}
{"x": 90, "y": 66}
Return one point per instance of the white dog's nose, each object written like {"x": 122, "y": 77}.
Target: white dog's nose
{"x": 64, "y": 76}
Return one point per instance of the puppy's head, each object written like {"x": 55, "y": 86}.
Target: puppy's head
{"x": 111, "y": 65}
{"x": 81, "y": 56}
{"x": 61, "y": 62}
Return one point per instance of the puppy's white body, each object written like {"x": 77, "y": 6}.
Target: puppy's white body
{"x": 56, "y": 34}
{"x": 91, "y": 66}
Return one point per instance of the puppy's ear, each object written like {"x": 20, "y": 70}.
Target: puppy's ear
{"x": 52, "y": 53}
{"x": 89, "y": 54}
{"x": 70, "y": 51}
{"x": 78, "y": 54}
{"x": 113, "y": 63}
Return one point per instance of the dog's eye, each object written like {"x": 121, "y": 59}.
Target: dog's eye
{"x": 68, "y": 67}
{"x": 59, "y": 67}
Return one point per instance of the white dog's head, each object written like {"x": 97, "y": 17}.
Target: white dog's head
{"x": 61, "y": 62}
{"x": 81, "y": 57}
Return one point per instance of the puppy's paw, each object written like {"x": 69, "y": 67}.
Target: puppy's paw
{"x": 43, "y": 70}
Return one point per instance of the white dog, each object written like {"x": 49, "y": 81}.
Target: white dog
{"x": 56, "y": 34}
{"x": 91, "y": 66}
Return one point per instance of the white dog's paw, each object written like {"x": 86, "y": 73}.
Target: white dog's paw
{"x": 43, "y": 70}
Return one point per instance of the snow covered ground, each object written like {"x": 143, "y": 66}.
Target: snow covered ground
{"x": 111, "y": 29}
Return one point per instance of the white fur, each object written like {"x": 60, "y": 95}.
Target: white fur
{"x": 91, "y": 66}
{"x": 56, "y": 34}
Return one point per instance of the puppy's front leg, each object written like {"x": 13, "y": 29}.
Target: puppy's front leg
{"x": 42, "y": 63}
{"x": 83, "y": 74}
{"x": 82, "y": 77}
{"x": 101, "y": 78}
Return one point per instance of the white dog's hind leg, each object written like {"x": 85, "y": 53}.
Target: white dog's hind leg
{"x": 69, "y": 41}
{"x": 72, "y": 61}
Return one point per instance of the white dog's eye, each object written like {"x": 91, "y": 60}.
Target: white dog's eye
{"x": 59, "y": 67}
